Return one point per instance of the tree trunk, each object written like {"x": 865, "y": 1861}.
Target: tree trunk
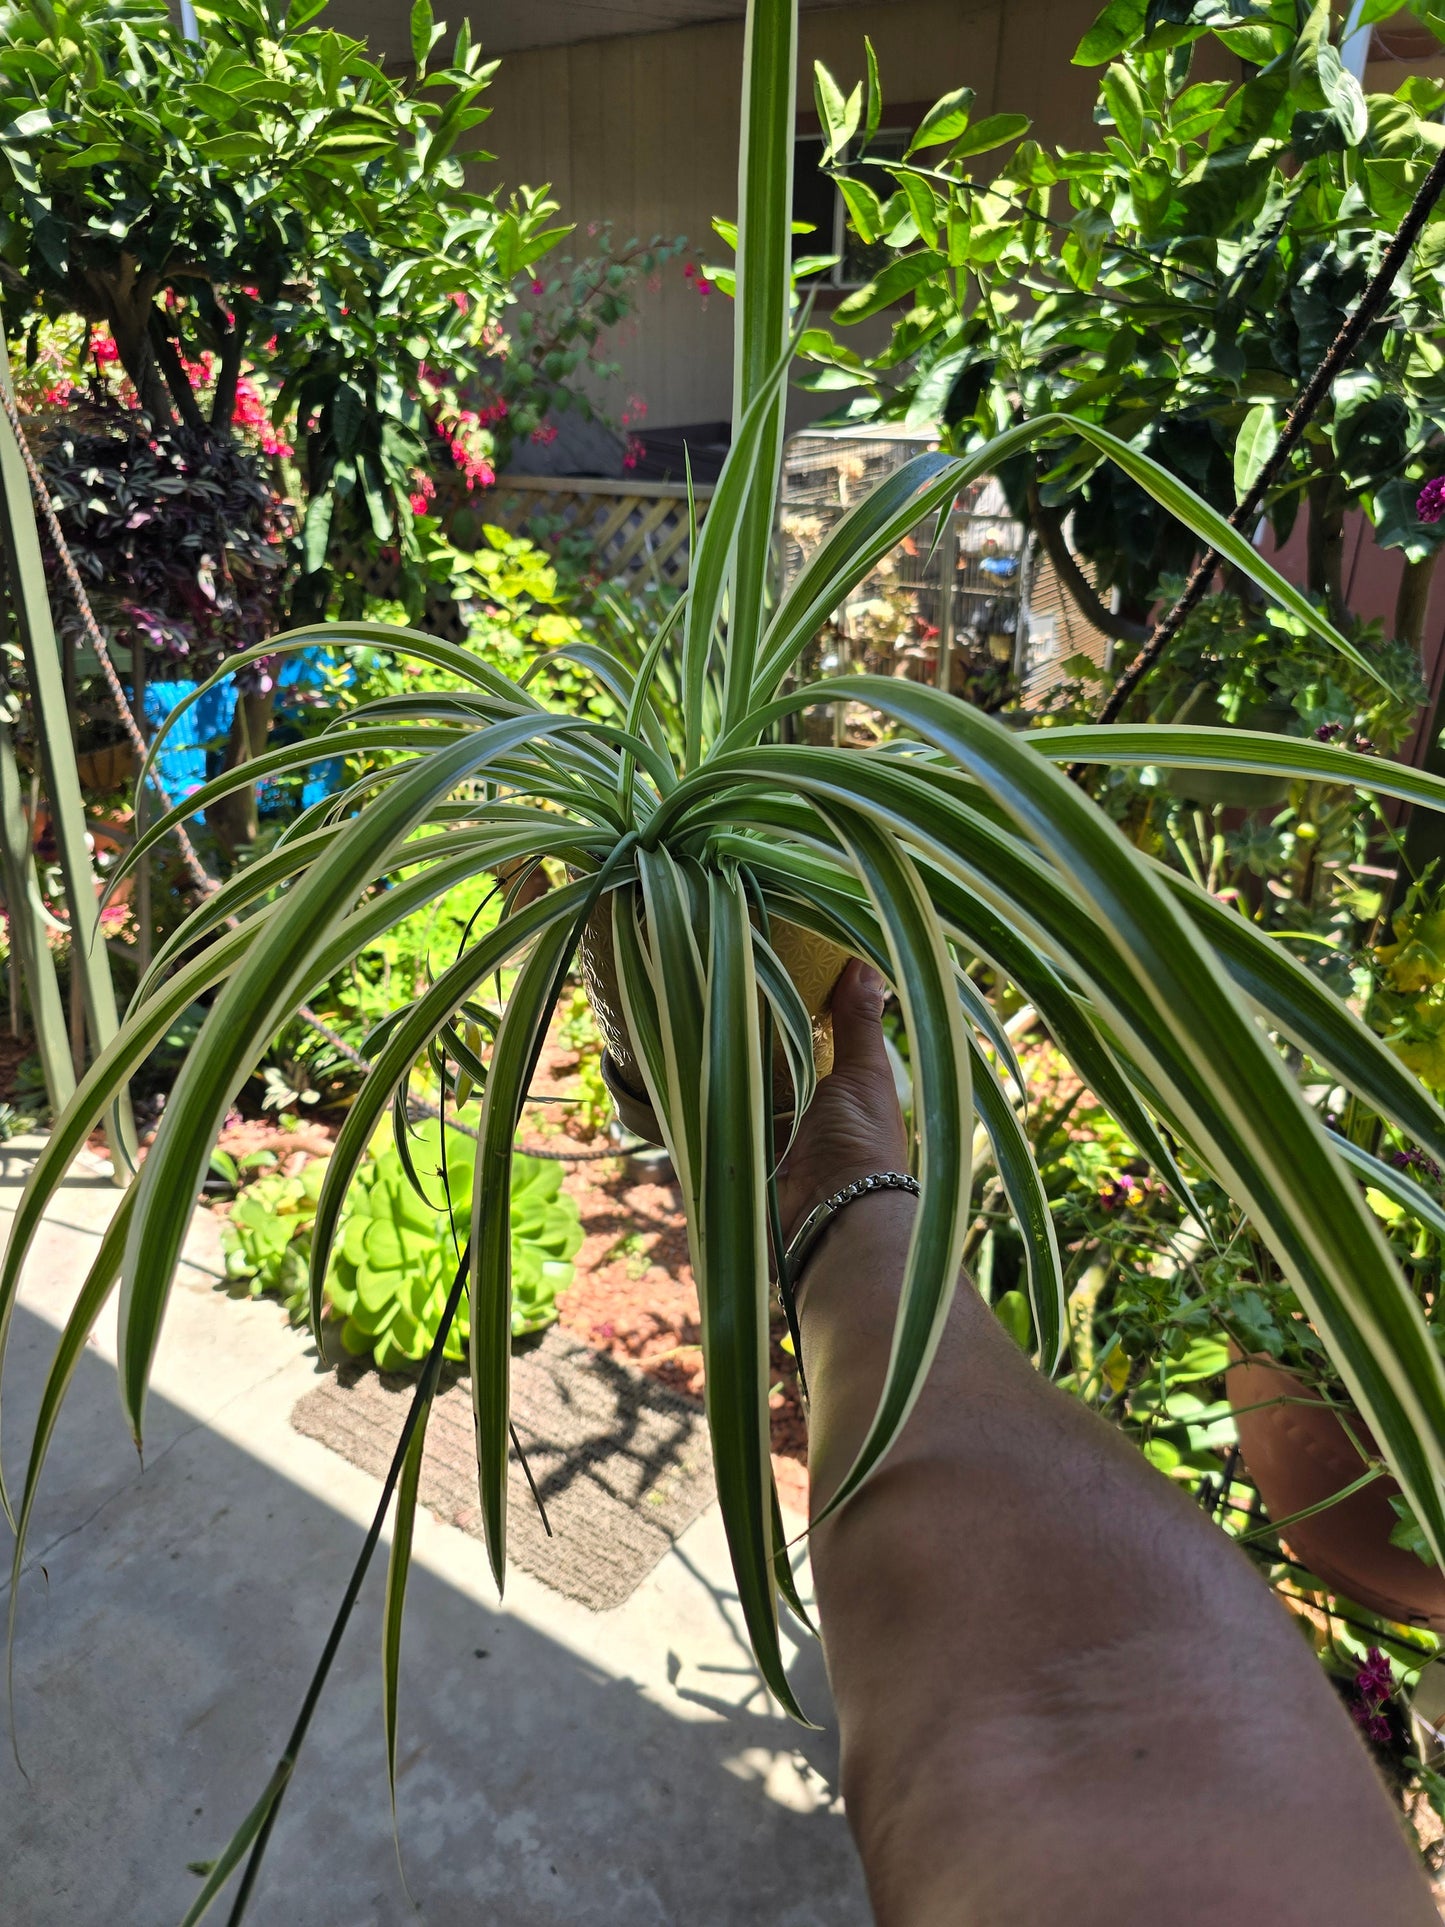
{"x": 1049, "y": 525}
{"x": 235, "y": 819}
{"x": 168, "y": 358}
{"x": 223, "y": 405}
{"x": 130, "y": 325}
{"x": 1325, "y": 551}
{"x": 1413, "y": 601}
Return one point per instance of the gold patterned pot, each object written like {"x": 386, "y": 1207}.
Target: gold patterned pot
{"x": 813, "y": 963}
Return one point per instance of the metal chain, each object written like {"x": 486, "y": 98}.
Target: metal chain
{"x": 200, "y": 875}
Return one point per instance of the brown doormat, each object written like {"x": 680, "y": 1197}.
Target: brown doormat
{"x": 623, "y": 1465}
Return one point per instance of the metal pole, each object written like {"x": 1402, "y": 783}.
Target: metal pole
{"x": 947, "y": 578}
{"x": 143, "y": 874}
{"x": 31, "y": 603}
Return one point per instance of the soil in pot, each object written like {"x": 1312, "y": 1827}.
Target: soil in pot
{"x": 1299, "y": 1454}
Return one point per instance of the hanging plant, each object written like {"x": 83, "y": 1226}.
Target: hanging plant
{"x": 958, "y": 840}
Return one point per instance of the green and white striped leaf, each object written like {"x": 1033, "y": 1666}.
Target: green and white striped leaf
{"x": 732, "y": 1256}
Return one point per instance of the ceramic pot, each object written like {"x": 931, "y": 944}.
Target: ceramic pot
{"x": 1300, "y": 1453}
{"x": 1230, "y": 789}
{"x": 813, "y": 963}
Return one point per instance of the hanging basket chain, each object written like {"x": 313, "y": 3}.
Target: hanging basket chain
{"x": 1341, "y": 352}
{"x": 199, "y": 874}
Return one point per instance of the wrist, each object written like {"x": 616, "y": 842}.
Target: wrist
{"x": 803, "y": 1193}
{"x": 873, "y": 1231}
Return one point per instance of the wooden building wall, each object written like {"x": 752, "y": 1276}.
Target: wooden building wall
{"x": 642, "y": 132}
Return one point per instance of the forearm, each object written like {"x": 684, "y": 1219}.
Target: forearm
{"x": 1061, "y": 1696}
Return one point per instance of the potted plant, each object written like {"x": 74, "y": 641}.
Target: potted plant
{"x": 958, "y": 839}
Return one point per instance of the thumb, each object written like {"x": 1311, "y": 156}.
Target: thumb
{"x": 857, "y": 1010}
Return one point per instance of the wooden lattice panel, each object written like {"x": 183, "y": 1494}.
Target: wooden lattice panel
{"x": 632, "y": 527}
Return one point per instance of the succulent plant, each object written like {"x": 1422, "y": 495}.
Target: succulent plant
{"x": 394, "y": 1261}
{"x": 396, "y": 1254}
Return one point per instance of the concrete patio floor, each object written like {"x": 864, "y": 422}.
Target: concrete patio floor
{"x": 555, "y": 1765}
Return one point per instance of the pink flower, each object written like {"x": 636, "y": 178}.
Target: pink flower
{"x": 1430, "y": 502}
{"x": 703, "y": 285}
{"x": 104, "y": 348}
{"x": 689, "y": 271}
{"x": 545, "y": 434}
{"x": 460, "y": 300}
{"x": 537, "y": 287}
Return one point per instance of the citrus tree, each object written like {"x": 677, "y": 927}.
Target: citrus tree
{"x": 1176, "y": 284}
{"x": 264, "y": 196}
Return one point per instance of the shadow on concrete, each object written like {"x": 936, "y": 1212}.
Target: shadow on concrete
{"x": 168, "y": 1624}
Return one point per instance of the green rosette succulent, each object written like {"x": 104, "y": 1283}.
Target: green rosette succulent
{"x": 396, "y": 1257}
{"x": 267, "y": 1238}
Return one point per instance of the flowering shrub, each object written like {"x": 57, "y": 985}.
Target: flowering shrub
{"x": 180, "y": 535}
{"x": 553, "y": 363}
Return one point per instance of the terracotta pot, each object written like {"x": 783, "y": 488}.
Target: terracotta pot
{"x": 813, "y": 963}
{"x": 1299, "y": 1454}
{"x": 106, "y": 769}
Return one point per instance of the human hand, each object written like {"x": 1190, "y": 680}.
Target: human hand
{"x": 854, "y": 1125}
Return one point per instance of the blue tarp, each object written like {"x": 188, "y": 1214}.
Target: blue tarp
{"x": 194, "y": 748}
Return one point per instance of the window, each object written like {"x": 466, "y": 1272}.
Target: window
{"x": 817, "y": 201}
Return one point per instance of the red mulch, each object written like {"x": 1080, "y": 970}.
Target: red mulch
{"x": 634, "y": 1295}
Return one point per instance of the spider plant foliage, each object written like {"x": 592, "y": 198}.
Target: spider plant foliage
{"x": 958, "y": 840}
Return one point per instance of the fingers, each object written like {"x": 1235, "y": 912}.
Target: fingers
{"x": 857, "y": 1009}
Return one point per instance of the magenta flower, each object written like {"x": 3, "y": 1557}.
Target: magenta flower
{"x": 1374, "y": 1690}
{"x": 1430, "y": 502}
{"x": 1376, "y": 1678}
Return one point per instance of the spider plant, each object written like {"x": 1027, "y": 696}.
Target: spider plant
{"x": 958, "y": 840}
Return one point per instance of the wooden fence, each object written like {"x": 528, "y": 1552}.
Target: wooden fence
{"x": 633, "y": 527}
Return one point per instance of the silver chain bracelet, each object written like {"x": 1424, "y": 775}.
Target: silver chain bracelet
{"x": 806, "y": 1237}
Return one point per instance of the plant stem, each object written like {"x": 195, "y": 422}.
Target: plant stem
{"x": 1049, "y": 522}
{"x": 1341, "y": 351}
{"x": 425, "y": 1391}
